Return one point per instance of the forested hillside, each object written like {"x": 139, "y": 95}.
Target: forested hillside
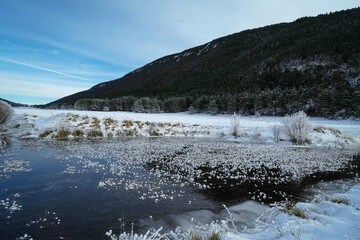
{"x": 13, "y": 104}
{"x": 312, "y": 64}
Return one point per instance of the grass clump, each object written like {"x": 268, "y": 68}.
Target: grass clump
{"x": 154, "y": 133}
{"x": 95, "y": 123}
{"x": 299, "y": 213}
{"x": 128, "y": 123}
{"x": 45, "y": 134}
{"x": 95, "y": 133}
{"x": 140, "y": 124}
{"x": 77, "y": 133}
{"x": 25, "y": 134}
{"x": 195, "y": 236}
{"x": 127, "y": 133}
{"x": 319, "y": 129}
{"x": 86, "y": 121}
{"x": 335, "y": 131}
{"x": 108, "y": 122}
{"x": 213, "y": 236}
{"x": 62, "y": 133}
{"x": 73, "y": 117}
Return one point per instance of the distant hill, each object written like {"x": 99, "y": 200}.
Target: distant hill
{"x": 312, "y": 64}
{"x": 13, "y": 104}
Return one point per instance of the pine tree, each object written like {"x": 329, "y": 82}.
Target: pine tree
{"x": 213, "y": 108}
{"x": 138, "y": 107}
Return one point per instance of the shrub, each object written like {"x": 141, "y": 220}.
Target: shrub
{"x": 276, "y": 132}
{"x": 297, "y": 127}
{"x": 5, "y": 111}
{"x": 235, "y": 125}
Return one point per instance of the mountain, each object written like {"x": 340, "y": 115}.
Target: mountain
{"x": 13, "y": 104}
{"x": 306, "y": 58}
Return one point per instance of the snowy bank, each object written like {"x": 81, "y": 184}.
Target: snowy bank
{"x": 327, "y": 216}
{"x": 39, "y": 123}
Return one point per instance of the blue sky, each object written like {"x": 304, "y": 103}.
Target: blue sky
{"x": 53, "y": 48}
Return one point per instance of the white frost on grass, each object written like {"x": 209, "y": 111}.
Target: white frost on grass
{"x": 34, "y": 123}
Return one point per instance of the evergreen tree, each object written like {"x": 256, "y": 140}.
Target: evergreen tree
{"x": 213, "y": 108}
{"x": 138, "y": 107}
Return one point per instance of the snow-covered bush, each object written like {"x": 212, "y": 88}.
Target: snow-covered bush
{"x": 235, "y": 125}
{"x": 297, "y": 127}
{"x": 191, "y": 110}
{"x": 5, "y": 111}
{"x": 276, "y": 132}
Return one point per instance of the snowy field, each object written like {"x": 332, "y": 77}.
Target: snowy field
{"x": 35, "y": 123}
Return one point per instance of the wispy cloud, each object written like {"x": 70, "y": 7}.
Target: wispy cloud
{"x": 44, "y": 69}
{"x": 33, "y": 89}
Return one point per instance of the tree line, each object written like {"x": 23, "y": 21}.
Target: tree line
{"x": 328, "y": 103}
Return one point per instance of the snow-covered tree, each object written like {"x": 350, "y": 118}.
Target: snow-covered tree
{"x": 83, "y": 104}
{"x": 213, "y": 108}
{"x": 116, "y": 104}
{"x": 231, "y": 107}
{"x": 128, "y": 102}
{"x": 138, "y": 107}
{"x": 146, "y": 105}
{"x": 175, "y": 104}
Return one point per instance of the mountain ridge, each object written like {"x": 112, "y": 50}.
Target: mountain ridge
{"x": 309, "y": 52}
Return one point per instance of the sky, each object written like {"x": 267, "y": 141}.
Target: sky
{"x": 53, "y": 48}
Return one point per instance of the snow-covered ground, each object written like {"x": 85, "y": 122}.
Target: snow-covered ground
{"x": 327, "y": 216}
{"x": 35, "y": 123}
{"x": 333, "y": 215}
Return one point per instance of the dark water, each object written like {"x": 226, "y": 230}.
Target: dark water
{"x": 84, "y": 210}
{"x": 56, "y": 205}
